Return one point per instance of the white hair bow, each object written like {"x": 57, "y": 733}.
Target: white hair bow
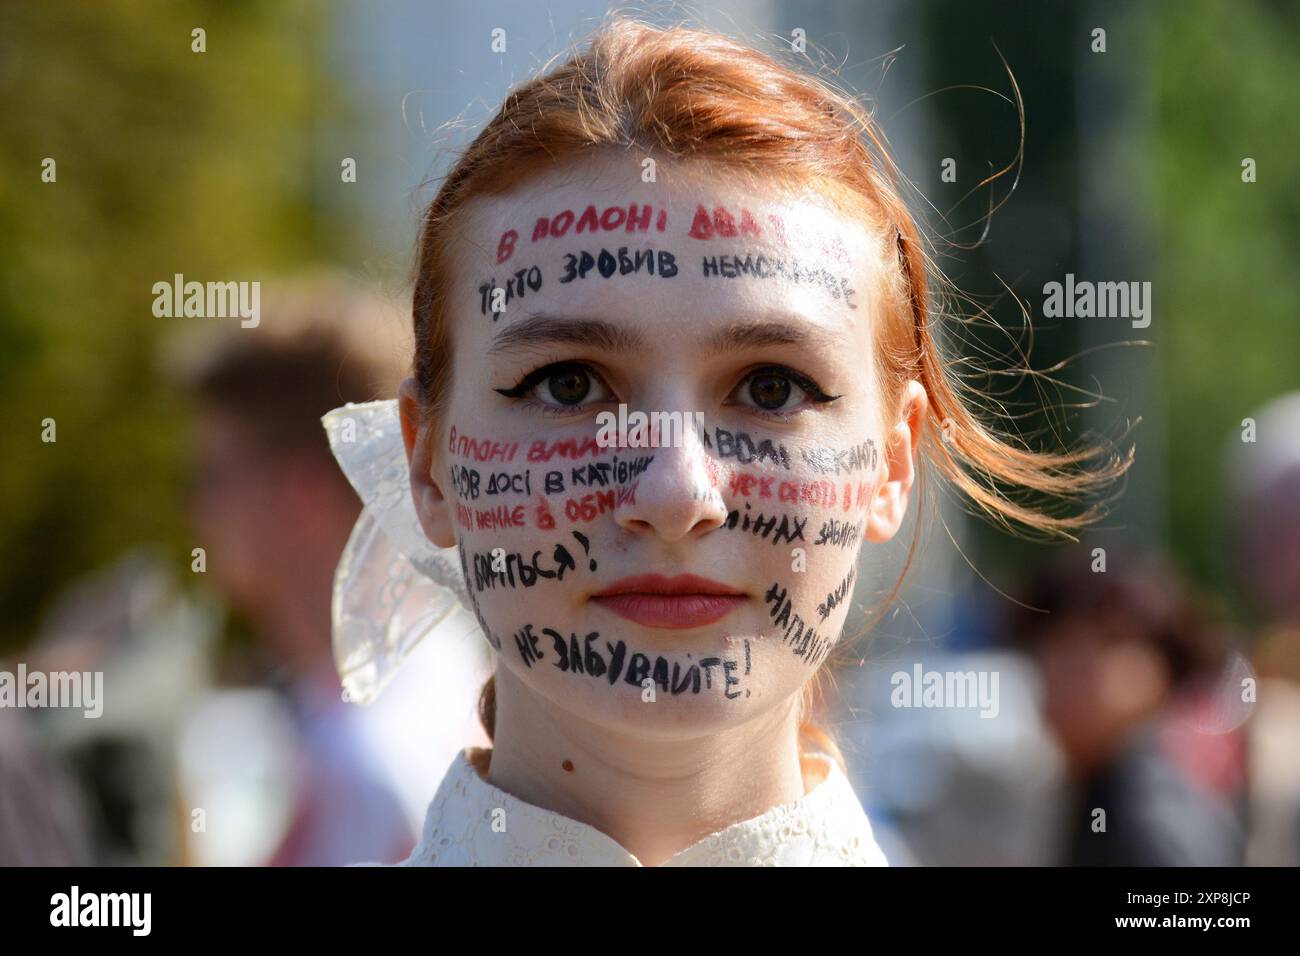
{"x": 392, "y": 585}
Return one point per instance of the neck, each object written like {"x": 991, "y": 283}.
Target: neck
{"x": 654, "y": 797}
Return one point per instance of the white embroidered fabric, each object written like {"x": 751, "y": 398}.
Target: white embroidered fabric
{"x": 473, "y": 823}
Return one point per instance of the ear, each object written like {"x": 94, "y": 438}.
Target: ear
{"x": 889, "y": 503}
{"x": 432, "y": 507}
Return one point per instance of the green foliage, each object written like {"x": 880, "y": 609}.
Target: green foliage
{"x": 168, "y": 161}
{"x": 1227, "y": 87}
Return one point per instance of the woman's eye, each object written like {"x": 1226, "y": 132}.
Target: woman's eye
{"x": 561, "y": 386}
{"x": 778, "y": 390}
{"x": 567, "y": 388}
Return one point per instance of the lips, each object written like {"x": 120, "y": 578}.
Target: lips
{"x": 684, "y": 601}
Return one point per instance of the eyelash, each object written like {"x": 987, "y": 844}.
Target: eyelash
{"x": 538, "y": 375}
{"x": 810, "y": 388}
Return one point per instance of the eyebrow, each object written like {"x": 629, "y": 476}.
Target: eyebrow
{"x": 546, "y": 329}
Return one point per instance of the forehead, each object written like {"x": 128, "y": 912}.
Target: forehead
{"x": 675, "y": 247}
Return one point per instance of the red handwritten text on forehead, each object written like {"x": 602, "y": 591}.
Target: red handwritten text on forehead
{"x": 630, "y": 218}
{"x": 724, "y": 223}
{"x": 708, "y": 223}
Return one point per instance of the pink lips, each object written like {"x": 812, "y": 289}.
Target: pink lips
{"x": 679, "y": 602}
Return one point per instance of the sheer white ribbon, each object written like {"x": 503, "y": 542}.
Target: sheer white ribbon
{"x": 392, "y": 585}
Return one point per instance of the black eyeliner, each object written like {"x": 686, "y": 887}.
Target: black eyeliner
{"x": 530, "y": 380}
{"x": 803, "y": 381}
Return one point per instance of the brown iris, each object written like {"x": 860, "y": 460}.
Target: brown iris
{"x": 570, "y": 386}
{"x": 769, "y": 390}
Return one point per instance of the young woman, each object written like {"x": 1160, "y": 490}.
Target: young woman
{"x": 671, "y": 225}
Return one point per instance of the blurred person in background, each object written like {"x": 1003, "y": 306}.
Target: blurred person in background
{"x": 98, "y": 781}
{"x": 273, "y": 512}
{"x": 1263, "y": 519}
{"x": 1129, "y": 665}
{"x": 41, "y": 820}
{"x": 1263, "y": 511}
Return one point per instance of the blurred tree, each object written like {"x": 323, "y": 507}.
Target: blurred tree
{"x": 1191, "y": 89}
{"x": 1227, "y": 87}
{"x": 168, "y": 161}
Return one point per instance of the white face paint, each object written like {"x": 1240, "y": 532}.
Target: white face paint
{"x": 687, "y": 295}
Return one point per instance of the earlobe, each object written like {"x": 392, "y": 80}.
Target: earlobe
{"x": 889, "y": 503}
{"x": 431, "y": 505}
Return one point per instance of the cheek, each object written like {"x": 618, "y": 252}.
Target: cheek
{"x": 809, "y": 590}
{"x": 528, "y": 516}
{"x": 537, "y": 526}
{"x": 803, "y": 528}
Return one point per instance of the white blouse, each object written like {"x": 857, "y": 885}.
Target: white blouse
{"x": 825, "y": 827}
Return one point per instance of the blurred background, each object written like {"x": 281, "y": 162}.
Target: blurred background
{"x": 172, "y": 514}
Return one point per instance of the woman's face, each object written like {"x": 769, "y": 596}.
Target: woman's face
{"x": 740, "y": 324}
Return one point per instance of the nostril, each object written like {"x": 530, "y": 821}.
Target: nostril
{"x": 708, "y": 523}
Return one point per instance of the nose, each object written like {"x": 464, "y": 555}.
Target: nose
{"x": 675, "y": 497}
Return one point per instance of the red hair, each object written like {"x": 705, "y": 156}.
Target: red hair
{"x": 696, "y": 95}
